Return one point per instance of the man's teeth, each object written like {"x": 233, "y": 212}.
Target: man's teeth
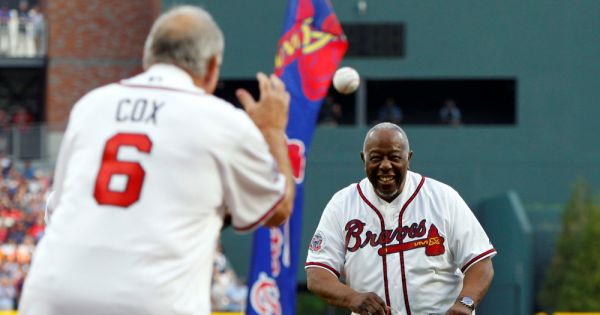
{"x": 386, "y": 179}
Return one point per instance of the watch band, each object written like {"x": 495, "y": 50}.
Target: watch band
{"x": 468, "y": 302}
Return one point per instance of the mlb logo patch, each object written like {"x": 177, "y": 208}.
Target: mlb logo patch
{"x": 317, "y": 243}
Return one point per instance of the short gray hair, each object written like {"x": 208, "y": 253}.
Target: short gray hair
{"x": 185, "y": 36}
{"x": 386, "y": 126}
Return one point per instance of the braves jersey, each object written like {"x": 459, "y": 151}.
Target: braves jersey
{"x": 412, "y": 252}
{"x": 147, "y": 170}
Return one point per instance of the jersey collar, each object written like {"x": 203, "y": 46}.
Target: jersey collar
{"x": 369, "y": 191}
{"x": 164, "y": 76}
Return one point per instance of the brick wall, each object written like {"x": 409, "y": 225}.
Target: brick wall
{"x": 92, "y": 43}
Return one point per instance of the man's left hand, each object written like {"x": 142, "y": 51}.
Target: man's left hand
{"x": 459, "y": 309}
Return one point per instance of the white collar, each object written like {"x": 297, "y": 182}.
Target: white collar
{"x": 164, "y": 76}
{"x": 379, "y": 203}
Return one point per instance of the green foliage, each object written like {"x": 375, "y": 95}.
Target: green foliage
{"x": 308, "y": 303}
{"x": 573, "y": 280}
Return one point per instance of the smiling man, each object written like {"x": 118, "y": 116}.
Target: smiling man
{"x": 404, "y": 244}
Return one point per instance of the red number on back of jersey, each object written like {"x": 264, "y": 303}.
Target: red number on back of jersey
{"x": 111, "y": 166}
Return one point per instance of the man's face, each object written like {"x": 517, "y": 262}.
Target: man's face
{"x": 386, "y": 157}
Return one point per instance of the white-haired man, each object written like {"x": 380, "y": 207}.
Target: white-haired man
{"x": 148, "y": 169}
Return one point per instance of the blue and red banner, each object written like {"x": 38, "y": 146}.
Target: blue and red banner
{"x": 308, "y": 53}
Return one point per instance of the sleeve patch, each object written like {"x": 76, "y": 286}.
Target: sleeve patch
{"x": 317, "y": 243}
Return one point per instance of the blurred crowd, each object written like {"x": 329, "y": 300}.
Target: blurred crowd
{"x": 22, "y": 31}
{"x": 228, "y": 292}
{"x": 23, "y": 190}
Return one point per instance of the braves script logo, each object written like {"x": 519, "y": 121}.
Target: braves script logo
{"x": 296, "y": 153}
{"x": 276, "y": 246}
{"x": 433, "y": 243}
{"x": 264, "y": 296}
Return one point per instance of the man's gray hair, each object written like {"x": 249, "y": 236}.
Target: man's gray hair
{"x": 387, "y": 126}
{"x": 185, "y": 36}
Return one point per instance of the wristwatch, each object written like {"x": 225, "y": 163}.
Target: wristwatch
{"x": 468, "y": 302}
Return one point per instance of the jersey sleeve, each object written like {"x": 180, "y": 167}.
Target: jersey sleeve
{"x": 327, "y": 249}
{"x": 253, "y": 184}
{"x": 469, "y": 243}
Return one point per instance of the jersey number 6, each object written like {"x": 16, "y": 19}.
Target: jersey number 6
{"x": 111, "y": 166}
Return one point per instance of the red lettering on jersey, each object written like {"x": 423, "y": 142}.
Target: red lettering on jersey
{"x": 111, "y": 166}
{"x": 353, "y": 230}
{"x": 354, "y": 240}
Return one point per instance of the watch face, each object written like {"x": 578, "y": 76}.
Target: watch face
{"x": 468, "y": 302}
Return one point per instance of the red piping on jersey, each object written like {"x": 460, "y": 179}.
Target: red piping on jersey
{"x": 142, "y": 86}
{"x": 383, "y": 258}
{"x": 309, "y": 264}
{"x": 404, "y": 287}
{"x": 467, "y": 265}
{"x": 264, "y": 216}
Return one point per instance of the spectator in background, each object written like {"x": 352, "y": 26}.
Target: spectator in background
{"x": 5, "y": 126}
{"x": 27, "y": 170}
{"x": 23, "y": 9}
{"x": 450, "y": 113}
{"x": 228, "y": 293}
{"x": 17, "y": 232}
{"x": 390, "y": 112}
{"x": 18, "y": 283}
{"x": 36, "y": 229}
{"x": 4, "y": 33}
{"x": 9, "y": 249}
{"x": 21, "y": 225}
{"x": 5, "y": 164}
{"x": 7, "y": 294}
{"x": 3, "y": 236}
{"x": 331, "y": 112}
{"x": 23, "y": 18}
{"x": 22, "y": 119}
{"x": 37, "y": 29}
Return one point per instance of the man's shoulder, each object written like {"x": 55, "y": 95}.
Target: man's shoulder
{"x": 433, "y": 185}
{"x": 345, "y": 193}
{"x": 104, "y": 90}
{"x": 95, "y": 95}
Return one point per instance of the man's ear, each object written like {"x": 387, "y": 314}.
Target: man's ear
{"x": 212, "y": 74}
{"x": 362, "y": 156}
{"x": 410, "y": 155}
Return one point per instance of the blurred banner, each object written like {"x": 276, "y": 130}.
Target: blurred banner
{"x": 308, "y": 53}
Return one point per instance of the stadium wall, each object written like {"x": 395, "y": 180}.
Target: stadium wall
{"x": 549, "y": 48}
{"x": 92, "y": 43}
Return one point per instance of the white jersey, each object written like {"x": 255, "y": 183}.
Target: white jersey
{"x": 430, "y": 238}
{"x": 147, "y": 170}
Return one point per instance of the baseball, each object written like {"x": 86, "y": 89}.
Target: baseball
{"x": 346, "y": 80}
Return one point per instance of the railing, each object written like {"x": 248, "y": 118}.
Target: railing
{"x": 31, "y": 142}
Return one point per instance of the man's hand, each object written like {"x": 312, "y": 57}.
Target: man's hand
{"x": 459, "y": 309}
{"x": 270, "y": 112}
{"x": 368, "y": 303}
